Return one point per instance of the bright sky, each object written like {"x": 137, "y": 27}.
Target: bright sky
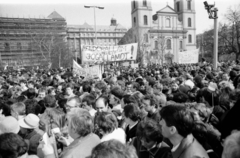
{"x": 75, "y": 13}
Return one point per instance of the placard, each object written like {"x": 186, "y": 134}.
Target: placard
{"x": 188, "y": 57}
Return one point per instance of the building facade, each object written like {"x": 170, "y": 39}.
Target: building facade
{"x": 162, "y": 35}
{"x": 25, "y": 41}
{"x": 108, "y": 35}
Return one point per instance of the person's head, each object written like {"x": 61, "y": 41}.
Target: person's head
{"x": 101, "y": 104}
{"x": 88, "y": 102}
{"x": 131, "y": 113}
{"x": 174, "y": 86}
{"x": 9, "y": 125}
{"x": 157, "y": 87}
{"x": 23, "y": 83}
{"x": 150, "y": 103}
{"x": 149, "y": 132}
{"x": 73, "y": 102}
{"x": 69, "y": 89}
{"x": 51, "y": 92}
{"x": 30, "y": 84}
{"x": 86, "y": 87}
{"x": 41, "y": 93}
{"x": 113, "y": 149}
{"x": 19, "y": 108}
{"x": 232, "y": 146}
{"x": 50, "y": 101}
{"x": 129, "y": 86}
{"x": 105, "y": 122}
{"x": 100, "y": 87}
{"x": 116, "y": 95}
{"x": 12, "y": 146}
{"x": 55, "y": 117}
{"x": 80, "y": 123}
{"x": 176, "y": 121}
{"x": 28, "y": 123}
{"x": 225, "y": 77}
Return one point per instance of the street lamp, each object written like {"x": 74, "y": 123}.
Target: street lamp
{"x": 213, "y": 14}
{"x": 87, "y": 6}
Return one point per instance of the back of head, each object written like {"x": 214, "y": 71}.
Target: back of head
{"x": 232, "y": 146}
{"x": 180, "y": 117}
{"x": 106, "y": 121}
{"x": 113, "y": 149}
{"x": 12, "y": 146}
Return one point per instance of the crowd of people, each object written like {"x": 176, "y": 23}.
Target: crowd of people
{"x": 169, "y": 111}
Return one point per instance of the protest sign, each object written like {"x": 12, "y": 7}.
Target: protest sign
{"x": 134, "y": 65}
{"x": 89, "y": 72}
{"x": 100, "y": 54}
{"x": 188, "y": 57}
{"x": 126, "y": 64}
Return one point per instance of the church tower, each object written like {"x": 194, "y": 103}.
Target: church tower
{"x": 187, "y": 15}
{"x": 141, "y": 18}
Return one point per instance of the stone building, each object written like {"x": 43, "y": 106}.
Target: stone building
{"x": 25, "y": 41}
{"x": 85, "y": 35}
{"x": 162, "y": 35}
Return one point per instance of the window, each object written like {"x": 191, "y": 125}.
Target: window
{"x": 189, "y": 38}
{"x": 169, "y": 44}
{"x": 189, "y": 5}
{"x": 19, "y": 46}
{"x": 134, "y": 4}
{"x": 146, "y": 37}
{"x": 156, "y": 44}
{"x": 181, "y": 44}
{"x": 168, "y": 22}
{"x": 178, "y": 6}
{"x": 145, "y": 19}
{"x": 7, "y": 47}
{"x": 134, "y": 20}
{"x": 144, "y": 3}
{"x": 189, "y": 22}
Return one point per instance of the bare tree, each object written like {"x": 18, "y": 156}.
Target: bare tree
{"x": 231, "y": 31}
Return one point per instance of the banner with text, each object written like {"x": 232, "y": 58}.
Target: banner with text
{"x": 100, "y": 54}
{"x": 188, "y": 57}
{"x": 89, "y": 72}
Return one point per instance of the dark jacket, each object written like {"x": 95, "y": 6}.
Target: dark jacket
{"x": 131, "y": 133}
{"x": 190, "y": 148}
{"x": 161, "y": 150}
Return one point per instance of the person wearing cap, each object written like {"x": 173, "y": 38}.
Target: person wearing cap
{"x": 9, "y": 124}
{"x": 29, "y": 130}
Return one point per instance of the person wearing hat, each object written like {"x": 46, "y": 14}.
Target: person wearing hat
{"x": 9, "y": 125}
{"x": 29, "y": 130}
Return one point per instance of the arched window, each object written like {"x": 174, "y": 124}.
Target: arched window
{"x": 134, "y": 21}
{"x": 7, "y": 47}
{"x": 168, "y": 24}
{"x": 134, "y": 4}
{"x": 181, "y": 44}
{"x": 178, "y": 6}
{"x": 145, "y": 19}
{"x": 189, "y": 22}
{"x": 144, "y": 3}
{"x": 156, "y": 44}
{"x": 19, "y": 46}
{"x": 189, "y": 5}
{"x": 189, "y": 38}
{"x": 169, "y": 44}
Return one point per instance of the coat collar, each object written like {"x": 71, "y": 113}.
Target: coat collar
{"x": 185, "y": 143}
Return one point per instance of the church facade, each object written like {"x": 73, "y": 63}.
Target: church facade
{"x": 166, "y": 33}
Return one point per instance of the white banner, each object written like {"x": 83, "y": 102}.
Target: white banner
{"x": 188, "y": 57}
{"x": 89, "y": 72}
{"x": 100, "y": 54}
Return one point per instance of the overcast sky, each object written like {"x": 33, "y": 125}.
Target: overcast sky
{"x": 75, "y": 13}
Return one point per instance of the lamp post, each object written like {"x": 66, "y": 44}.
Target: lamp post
{"x": 213, "y": 14}
{"x": 86, "y": 6}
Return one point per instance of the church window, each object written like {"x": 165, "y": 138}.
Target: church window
{"x": 145, "y": 19}
{"x": 134, "y": 21}
{"x": 189, "y": 22}
{"x": 19, "y": 46}
{"x": 169, "y": 44}
{"x": 134, "y": 4}
{"x": 144, "y": 3}
{"x": 189, "y": 5}
{"x": 178, "y": 6}
{"x": 7, "y": 47}
{"x": 189, "y": 38}
{"x": 156, "y": 44}
{"x": 168, "y": 22}
{"x": 181, "y": 44}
